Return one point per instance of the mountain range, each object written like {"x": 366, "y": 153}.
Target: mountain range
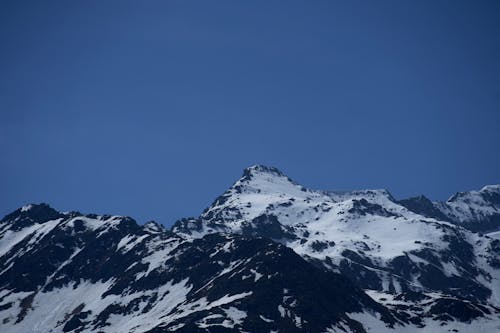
{"x": 268, "y": 255}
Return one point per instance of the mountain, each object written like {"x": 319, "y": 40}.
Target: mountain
{"x": 368, "y": 236}
{"x": 474, "y": 210}
{"x": 68, "y": 272}
{"x": 269, "y": 255}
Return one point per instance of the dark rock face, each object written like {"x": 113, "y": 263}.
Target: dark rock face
{"x": 463, "y": 311}
{"x": 486, "y": 224}
{"x": 188, "y": 225}
{"x": 283, "y": 279}
{"x": 267, "y": 226}
{"x": 363, "y": 207}
{"x": 423, "y": 206}
{"x": 362, "y": 275}
{"x": 494, "y": 250}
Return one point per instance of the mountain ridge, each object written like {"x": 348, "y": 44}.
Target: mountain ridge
{"x": 83, "y": 272}
{"x": 268, "y": 255}
{"x": 381, "y": 244}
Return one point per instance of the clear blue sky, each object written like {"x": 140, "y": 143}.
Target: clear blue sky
{"x": 153, "y": 108}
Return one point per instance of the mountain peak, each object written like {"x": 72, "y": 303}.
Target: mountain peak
{"x": 491, "y": 188}
{"x": 418, "y": 198}
{"x": 485, "y": 192}
{"x": 153, "y": 227}
{"x": 262, "y": 169}
{"x": 41, "y": 212}
{"x": 264, "y": 179}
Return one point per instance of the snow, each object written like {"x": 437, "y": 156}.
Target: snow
{"x": 267, "y": 320}
{"x": 232, "y": 318}
{"x": 54, "y": 306}
{"x": 471, "y": 206}
{"x": 282, "y": 310}
{"x": 35, "y": 232}
{"x": 492, "y": 280}
{"x": 170, "y": 296}
{"x": 153, "y": 227}
{"x": 375, "y": 325}
{"x": 129, "y": 242}
{"x": 102, "y": 223}
{"x": 124, "y": 241}
{"x": 159, "y": 251}
{"x": 61, "y": 266}
{"x": 325, "y": 217}
{"x": 491, "y": 188}
{"x": 202, "y": 304}
{"x": 369, "y": 222}
{"x": 494, "y": 235}
{"x": 203, "y": 323}
{"x": 226, "y": 300}
{"x": 257, "y": 275}
{"x": 26, "y": 208}
{"x": 235, "y": 315}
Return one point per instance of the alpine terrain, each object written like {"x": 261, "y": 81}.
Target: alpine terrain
{"x": 269, "y": 255}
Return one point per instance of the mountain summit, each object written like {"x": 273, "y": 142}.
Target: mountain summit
{"x": 384, "y": 245}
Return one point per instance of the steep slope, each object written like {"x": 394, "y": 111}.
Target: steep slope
{"x": 365, "y": 235}
{"x": 87, "y": 273}
{"x": 425, "y": 207}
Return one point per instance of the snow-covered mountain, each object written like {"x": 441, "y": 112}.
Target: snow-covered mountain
{"x": 75, "y": 273}
{"x": 474, "y": 210}
{"x": 267, "y": 256}
{"x": 366, "y": 235}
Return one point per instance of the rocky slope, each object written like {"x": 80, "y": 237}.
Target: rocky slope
{"x": 75, "y": 273}
{"x": 474, "y": 210}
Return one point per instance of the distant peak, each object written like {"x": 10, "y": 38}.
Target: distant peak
{"x": 36, "y": 209}
{"x": 259, "y": 168}
{"x": 153, "y": 227}
{"x": 41, "y": 213}
{"x": 26, "y": 208}
{"x": 38, "y": 206}
{"x": 486, "y": 190}
{"x": 259, "y": 171}
{"x": 491, "y": 188}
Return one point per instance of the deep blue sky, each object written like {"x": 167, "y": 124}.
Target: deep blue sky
{"x": 152, "y": 109}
